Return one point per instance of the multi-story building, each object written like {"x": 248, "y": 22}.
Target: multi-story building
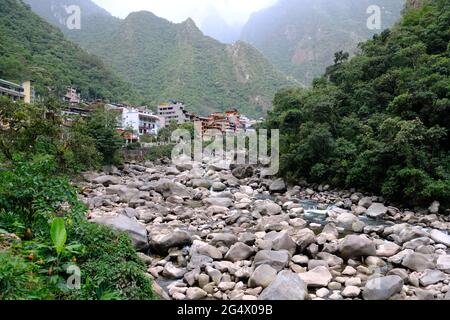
{"x": 139, "y": 120}
{"x": 16, "y": 92}
{"x": 174, "y": 111}
{"x": 72, "y": 96}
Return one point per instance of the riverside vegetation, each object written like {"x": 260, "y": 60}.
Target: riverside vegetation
{"x": 39, "y": 210}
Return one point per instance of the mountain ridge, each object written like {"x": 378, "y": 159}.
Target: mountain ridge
{"x": 166, "y": 60}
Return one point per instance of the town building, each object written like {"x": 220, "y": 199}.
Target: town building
{"x": 72, "y": 96}
{"x": 139, "y": 120}
{"x": 229, "y": 121}
{"x": 174, "y": 111}
{"x": 16, "y": 92}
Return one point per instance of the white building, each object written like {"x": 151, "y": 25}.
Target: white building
{"x": 140, "y": 120}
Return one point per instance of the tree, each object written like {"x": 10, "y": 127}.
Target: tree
{"x": 101, "y": 126}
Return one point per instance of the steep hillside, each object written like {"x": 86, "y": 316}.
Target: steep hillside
{"x": 165, "y": 61}
{"x": 301, "y": 36}
{"x": 379, "y": 122}
{"x": 30, "y": 48}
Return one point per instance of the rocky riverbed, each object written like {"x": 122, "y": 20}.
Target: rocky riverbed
{"x": 208, "y": 232}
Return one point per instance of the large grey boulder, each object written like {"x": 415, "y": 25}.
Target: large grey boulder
{"x": 286, "y": 286}
{"x": 168, "y": 188}
{"x": 376, "y": 210}
{"x": 276, "y": 259}
{"x": 382, "y": 288}
{"x": 226, "y": 239}
{"x": 346, "y": 220}
{"x": 201, "y": 183}
{"x": 161, "y": 243}
{"x": 317, "y": 277}
{"x": 356, "y": 246}
{"x": 134, "y": 229}
{"x": 443, "y": 263}
{"x": 388, "y": 249}
{"x": 262, "y": 276}
{"x": 304, "y": 238}
{"x": 238, "y": 252}
{"x": 432, "y": 277}
{"x": 419, "y": 261}
{"x": 440, "y": 237}
{"x": 277, "y": 186}
{"x": 107, "y": 180}
{"x": 203, "y": 248}
{"x": 281, "y": 241}
{"x": 243, "y": 171}
{"x": 267, "y": 207}
{"x": 125, "y": 193}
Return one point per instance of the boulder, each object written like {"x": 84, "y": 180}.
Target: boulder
{"x": 168, "y": 188}
{"x": 281, "y": 241}
{"x": 203, "y": 248}
{"x": 382, "y": 288}
{"x": 443, "y": 263}
{"x": 124, "y": 193}
{"x": 351, "y": 292}
{"x": 276, "y": 259}
{"x": 356, "y": 246}
{"x": 134, "y": 229}
{"x": 161, "y": 243}
{"x": 238, "y": 252}
{"x": 172, "y": 272}
{"x": 194, "y": 293}
{"x": 376, "y": 210}
{"x": 365, "y": 202}
{"x": 304, "y": 238}
{"x": 440, "y": 237}
{"x": 277, "y": 186}
{"x": 107, "y": 180}
{"x": 317, "y": 277}
{"x": 243, "y": 171}
{"x": 218, "y": 186}
{"x": 419, "y": 262}
{"x": 346, "y": 220}
{"x": 201, "y": 183}
{"x": 286, "y": 286}
{"x": 262, "y": 276}
{"x": 388, "y": 249}
{"x": 431, "y": 277}
{"x": 226, "y": 239}
{"x": 267, "y": 207}
{"x": 331, "y": 259}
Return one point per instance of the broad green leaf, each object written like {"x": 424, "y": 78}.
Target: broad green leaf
{"x": 58, "y": 234}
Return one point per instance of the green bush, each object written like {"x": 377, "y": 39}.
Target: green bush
{"x": 19, "y": 280}
{"x": 32, "y": 198}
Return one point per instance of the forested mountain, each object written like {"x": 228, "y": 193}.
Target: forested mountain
{"x": 165, "y": 60}
{"x": 30, "y": 48}
{"x": 301, "y": 36}
{"x": 379, "y": 122}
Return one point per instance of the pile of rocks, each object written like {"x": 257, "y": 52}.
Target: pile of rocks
{"x": 208, "y": 232}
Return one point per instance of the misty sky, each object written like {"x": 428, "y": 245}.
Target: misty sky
{"x": 234, "y": 12}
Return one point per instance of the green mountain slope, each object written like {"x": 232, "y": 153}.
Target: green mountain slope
{"x": 301, "y": 36}
{"x": 164, "y": 60}
{"x": 30, "y": 48}
{"x": 379, "y": 122}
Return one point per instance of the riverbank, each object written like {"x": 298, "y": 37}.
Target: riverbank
{"x": 208, "y": 232}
